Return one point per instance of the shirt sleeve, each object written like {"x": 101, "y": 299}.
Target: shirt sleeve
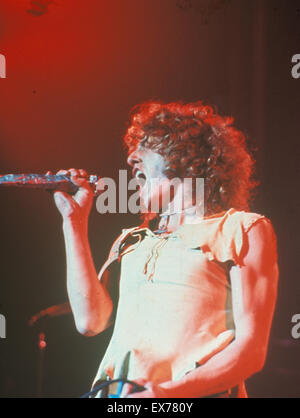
{"x": 225, "y": 238}
{"x": 235, "y": 231}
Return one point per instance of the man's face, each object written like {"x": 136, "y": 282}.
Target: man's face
{"x": 149, "y": 170}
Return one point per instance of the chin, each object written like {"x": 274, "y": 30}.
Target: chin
{"x": 146, "y": 203}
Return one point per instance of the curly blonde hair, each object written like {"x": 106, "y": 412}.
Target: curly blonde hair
{"x": 196, "y": 142}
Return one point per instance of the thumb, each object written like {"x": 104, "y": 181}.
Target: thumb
{"x": 63, "y": 202}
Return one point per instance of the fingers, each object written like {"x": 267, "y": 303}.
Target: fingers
{"x": 77, "y": 176}
{"x": 62, "y": 172}
{"x": 72, "y": 171}
{"x": 77, "y": 172}
{"x": 129, "y": 388}
{"x": 83, "y": 173}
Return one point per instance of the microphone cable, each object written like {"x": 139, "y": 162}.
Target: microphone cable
{"x": 136, "y": 388}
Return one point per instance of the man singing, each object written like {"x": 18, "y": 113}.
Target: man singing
{"x": 191, "y": 293}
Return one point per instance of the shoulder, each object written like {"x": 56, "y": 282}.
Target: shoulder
{"x": 228, "y": 235}
{"x": 253, "y": 223}
{"x": 247, "y": 224}
{"x": 259, "y": 242}
{"x": 244, "y": 219}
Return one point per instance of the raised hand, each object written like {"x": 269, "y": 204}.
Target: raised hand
{"x": 78, "y": 206}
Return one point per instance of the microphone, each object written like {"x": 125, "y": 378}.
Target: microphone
{"x": 48, "y": 182}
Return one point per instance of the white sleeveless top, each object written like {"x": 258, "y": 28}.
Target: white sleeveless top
{"x": 175, "y": 307}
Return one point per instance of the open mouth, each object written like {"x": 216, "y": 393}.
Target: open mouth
{"x": 140, "y": 178}
{"x": 138, "y": 174}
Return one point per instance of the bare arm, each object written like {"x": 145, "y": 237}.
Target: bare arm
{"x": 90, "y": 301}
{"x": 254, "y": 290}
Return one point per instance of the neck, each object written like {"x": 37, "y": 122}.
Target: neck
{"x": 171, "y": 221}
{"x": 181, "y": 210}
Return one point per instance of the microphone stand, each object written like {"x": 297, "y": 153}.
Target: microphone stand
{"x": 41, "y": 363}
{"x": 51, "y": 312}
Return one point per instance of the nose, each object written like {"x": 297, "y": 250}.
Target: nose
{"x": 134, "y": 158}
